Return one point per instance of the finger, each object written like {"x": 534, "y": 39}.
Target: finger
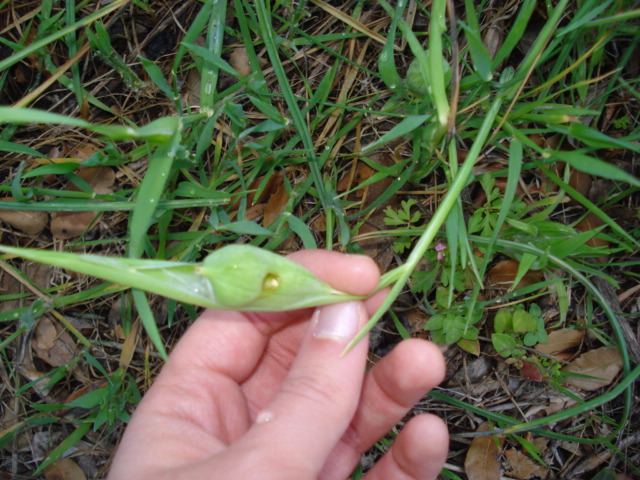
{"x": 317, "y": 399}
{"x": 392, "y": 387}
{"x": 231, "y": 342}
{"x": 354, "y": 274}
{"x": 418, "y": 453}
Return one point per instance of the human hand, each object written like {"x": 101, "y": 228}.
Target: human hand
{"x": 267, "y": 396}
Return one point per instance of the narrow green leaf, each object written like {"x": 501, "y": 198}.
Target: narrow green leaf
{"x": 157, "y": 77}
{"x": 18, "y": 148}
{"x": 245, "y": 227}
{"x": 407, "y": 125}
{"x": 301, "y": 229}
{"x": 26, "y": 116}
{"x": 213, "y": 59}
{"x": 65, "y": 445}
{"x": 594, "y": 166}
{"x": 148, "y": 320}
{"x": 150, "y": 192}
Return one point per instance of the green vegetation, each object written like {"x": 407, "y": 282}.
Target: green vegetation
{"x": 487, "y": 160}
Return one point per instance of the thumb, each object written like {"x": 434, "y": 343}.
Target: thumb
{"x": 299, "y": 429}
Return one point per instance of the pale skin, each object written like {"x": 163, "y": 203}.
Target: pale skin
{"x": 268, "y": 396}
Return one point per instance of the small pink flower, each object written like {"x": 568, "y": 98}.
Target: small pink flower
{"x": 440, "y": 248}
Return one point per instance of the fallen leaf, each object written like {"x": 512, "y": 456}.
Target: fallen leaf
{"x": 504, "y": 273}
{"x": 38, "y": 274}
{"x": 377, "y": 247}
{"x": 275, "y": 205}
{"x": 602, "y": 363}
{"x": 559, "y": 403}
{"x": 64, "y": 469}
{"x": 274, "y": 182}
{"x": 101, "y": 179}
{"x": 522, "y": 467}
{"x": 52, "y": 343}
{"x": 239, "y": 60}
{"x": 191, "y": 91}
{"x": 492, "y": 39}
{"x": 27, "y": 221}
{"x": 588, "y": 223}
{"x": 530, "y": 371}
{"x": 481, "y": 462}
{"x": 40, "y": 379}
{"x": 416, "y": 320}
{"x": 66, "y": 225}
{"x": 560, "y": 341}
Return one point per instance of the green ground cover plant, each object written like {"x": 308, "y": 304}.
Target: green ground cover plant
{"x": 484, "y": 153}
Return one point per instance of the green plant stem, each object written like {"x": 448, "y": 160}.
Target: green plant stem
{"x": 436, "y": 28}
{"x": 400, "y": 275}
{"x": 268, "y": 36}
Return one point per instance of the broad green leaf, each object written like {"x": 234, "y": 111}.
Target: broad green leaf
{"x": 523, "y": 321}
{"x": 503, "y": 321}
{"x": 503, "y": 343}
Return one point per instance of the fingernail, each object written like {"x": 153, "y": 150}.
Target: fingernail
{"x": 338, "y": 322}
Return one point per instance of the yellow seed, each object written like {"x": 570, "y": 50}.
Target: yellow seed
{"x": 270, "y": 282}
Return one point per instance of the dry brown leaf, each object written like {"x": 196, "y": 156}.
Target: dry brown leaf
{"x": 504, "y": 273}
{"x": 239, "y": 60}
{"x": 64, "y": 469}
{"x": 555, "y": 405}
{"x": 275, "y": 205}
{"x": 101, "y": 179}
{"x": 39, "y": 378}
{"x": 559, "y": 403}
{"x": 581, "y": 182}
{"x": 254, "y": 212}
{"x": 192, "y": 88}
{"x": 492, "y": 39}
{"x": 602, "y": 363}
{"x": 52, "y": 343}
{"x": 27, "y": 221}
{"x": 274, "y": 182}
{"x": 591, "y": 222}
{"x": 481, "y": 462}
{"x": 378, "y": 248}
{"x": 66, "y": 225}
{"x": 416, "y": 320}
{"x": 560, "y": 341}
{"x": 530, "y": 371}
{"x": 522, "y": 467}
{"x": 319, "y": 223}
{"x": 38, "y": 273}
